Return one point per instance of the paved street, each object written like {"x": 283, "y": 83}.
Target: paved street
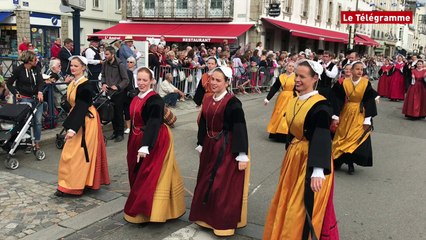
{"x": 383, "y": 202}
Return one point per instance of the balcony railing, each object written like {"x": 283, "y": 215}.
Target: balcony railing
{"x": 175, "y": 10}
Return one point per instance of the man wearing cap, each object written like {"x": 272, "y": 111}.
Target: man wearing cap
{"x": 126, "y": 49}
{"x": 115, "y": 79}
{"x": 94, "y": 59}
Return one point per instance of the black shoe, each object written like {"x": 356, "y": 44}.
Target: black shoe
{"x": 59, "y": 193}
{"x": 351, "y": 169}
{"x": 113, "y": 136}
{"x": 119, "y": 138}
{"x": 337, "y": 166}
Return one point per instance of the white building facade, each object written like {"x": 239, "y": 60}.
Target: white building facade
{"x": 321, "y": 18}
{"x": 43, "y": 22}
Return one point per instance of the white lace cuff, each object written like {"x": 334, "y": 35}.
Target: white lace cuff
{"x": 242, "y": 157}
{"x": 144, "y": 149}
{"x": 334, "y": 117}
{"x": 318, "y": 172}
{"x": 266, "y": 101}
{"x": 71, "y": 131}
{"x": 199, "y": 148}
{"x": 367, "y": 121}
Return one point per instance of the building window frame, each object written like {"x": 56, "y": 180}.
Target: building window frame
{"x": 149, "y": 4}
{"x": 216, "y": 4}
{"x": 117, "y": 5}
{"x": 97, "y": 5}
{"x": 319, "y": 10}
{"x": 182, "y": 4}
{"x": 305, "y": 9}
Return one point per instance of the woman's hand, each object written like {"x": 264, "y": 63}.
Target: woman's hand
{"x": 68, "y": 79}
{"x": 140, "y": 156}
{"x": 69, "y": 135}
{"x": 365, "y": 127}
{"x": 242, "y": 166}
{"x": 316, "y": 183}
{"x": 265, "y": 101}
{"x": 40, "y": 96}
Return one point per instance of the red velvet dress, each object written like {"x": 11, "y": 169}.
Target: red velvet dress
{"x": 143, "y": 182}
{"x": 384, "y": 81}
{"x": 220, "y": 205}
{"x": 397, "y": 83}
{"x": 415, "y": 103}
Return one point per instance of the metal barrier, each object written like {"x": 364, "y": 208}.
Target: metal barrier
{"x": 185, "y": 79}
{"x": 8, "y": 64}
{"x": 255, "y": 79}
{"x": 53, "y": 95}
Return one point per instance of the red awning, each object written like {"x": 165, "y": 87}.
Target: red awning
{"x": 176, "y": 32}
{"x": 360, "y": 41}
{"x": 300, "y": 30}
{"x": 367, "y": 40}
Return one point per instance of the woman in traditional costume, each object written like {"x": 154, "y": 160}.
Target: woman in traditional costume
{"x": 277, "y": 127}
{"x": 397, "y": 81}
{"x": 303, "y": 202}
{"x": 347, "y": 73}
{"x": 203, "y": 89}
{"x": 156, "y": 186}
{"x": 221, "y": 194}
{"x": 354, "y": 107}
{"x": 83, "y": 160}
{"x": 415, "y": 102}
{"x": 384, "y": 80}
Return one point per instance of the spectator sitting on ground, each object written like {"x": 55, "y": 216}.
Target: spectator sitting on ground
{"x": 169, "y": 92}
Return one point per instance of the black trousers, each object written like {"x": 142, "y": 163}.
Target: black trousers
{"x": 118, "y": 120}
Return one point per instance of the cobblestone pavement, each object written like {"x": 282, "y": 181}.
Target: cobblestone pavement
{"x": 27, "y": 206}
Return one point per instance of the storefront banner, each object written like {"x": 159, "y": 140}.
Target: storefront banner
{"x": 42, "y": 19}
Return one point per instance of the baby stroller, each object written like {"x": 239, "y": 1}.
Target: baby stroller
{"x": 105, "y": 108}
{"x": 17, "y": 132}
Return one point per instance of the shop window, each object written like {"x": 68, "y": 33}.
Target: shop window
{"x": 149, "y": 4}
{"x": 216, "y": 4}
{"x": 182, "y": 4}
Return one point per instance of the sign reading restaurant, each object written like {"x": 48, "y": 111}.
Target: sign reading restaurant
{"x": 196, "y": 40}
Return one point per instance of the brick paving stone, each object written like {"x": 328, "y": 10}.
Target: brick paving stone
{"x": 28, "y": 206}
{"x": 20, "y": 235}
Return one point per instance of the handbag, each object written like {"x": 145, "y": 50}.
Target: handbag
{"x": 182, "y": 75}
{"x": 190, "y": 78}
{"x": 169, "y": 118}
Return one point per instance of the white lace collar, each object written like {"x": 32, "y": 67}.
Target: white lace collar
{"x": 355, "y": 82}
{"x": 221, "y": 96}
{"x": 142, "y": 95}
{"x": 77, "y": 80}
{"x": 307, "y": 95}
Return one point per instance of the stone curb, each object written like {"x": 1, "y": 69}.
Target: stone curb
{"x": 94, "y": 215}
{"x": 82, "y": 220}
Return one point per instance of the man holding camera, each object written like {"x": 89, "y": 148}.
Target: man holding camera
{"x": 115, "y": 80}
